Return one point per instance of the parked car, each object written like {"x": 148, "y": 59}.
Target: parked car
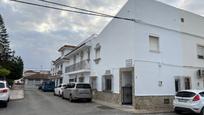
{"x": 189, "y": 101}
{"x": 75, "y": 91}
{"x": 48, "y": 86}
{"x": 4, "y": 93}
{"x": 59, "y": 89}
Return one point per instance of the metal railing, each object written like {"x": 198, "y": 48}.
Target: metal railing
{"x": 85, "y": 64}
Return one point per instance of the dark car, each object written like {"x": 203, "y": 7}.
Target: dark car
{"x": 48, "y": 86}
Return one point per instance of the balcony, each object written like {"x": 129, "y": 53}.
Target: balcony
{"x": 82, "y": 65}
{"x": 59, "y": 72}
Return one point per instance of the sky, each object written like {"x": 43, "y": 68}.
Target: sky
{"x": 37, "y": 33}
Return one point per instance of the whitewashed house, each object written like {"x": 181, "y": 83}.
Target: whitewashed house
{"x": 143, "y": 61}
{"x": 58, "y": 66}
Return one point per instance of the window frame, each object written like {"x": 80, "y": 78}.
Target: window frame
{"x": 97, "y": 53}
{"x": 189, "y": 85}
{"x": 158, "y": 43}
{"x": 198, "y": 53}
{"x": 105, "y": 78}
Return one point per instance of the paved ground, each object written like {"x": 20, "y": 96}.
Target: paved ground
{"x": 40, "y": 103}
{"x": 17, "y": 94}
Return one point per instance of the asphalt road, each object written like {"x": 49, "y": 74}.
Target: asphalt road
{"x": 40, "y": 103}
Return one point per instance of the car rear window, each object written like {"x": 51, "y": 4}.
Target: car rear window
{"x": 202, "y": 94}
{"x": 185, "y": 94}
{"x": 2, "y": 85}
{"x": 85, "y": 86}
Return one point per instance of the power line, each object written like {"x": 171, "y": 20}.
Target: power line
{"x": 73, "y": 11}
{"x": 50, "y": 7}
{"x": 77, "y": 8}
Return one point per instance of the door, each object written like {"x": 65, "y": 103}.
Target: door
{"x": 127, "y": 95}
{"x": 126, "y": 87}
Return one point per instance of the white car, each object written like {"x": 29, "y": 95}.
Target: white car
{"x": 59, "y": 89}
{"x": 189, "y": 101}
{"x": 4, "y": 93}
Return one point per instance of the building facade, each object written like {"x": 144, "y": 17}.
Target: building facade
{"x": 143, "y": 61}
{"x": 33, "y": 79}
{"x": 58, "y": 66}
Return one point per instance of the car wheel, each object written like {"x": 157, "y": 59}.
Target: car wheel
{"x": 177, "y": 111}
{"x": 59, "y": 93}
{"x": 90, "y": 100}
{"x": 5, "y": 104}
{"x": 63, "y": 96}
{"x": 202, "y": 111}
{"x": 70, "y": 98}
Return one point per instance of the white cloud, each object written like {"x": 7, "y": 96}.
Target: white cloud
{"x": 35, "y": 31}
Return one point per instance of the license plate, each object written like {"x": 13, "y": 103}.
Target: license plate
{"x": 182, "y": 100}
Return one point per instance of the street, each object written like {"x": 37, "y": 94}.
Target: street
{"x": 40, "y": 103}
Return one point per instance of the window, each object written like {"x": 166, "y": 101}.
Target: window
{"x": 60, "y": 80}
{"x": 81, "y": 79}
{"x": 88, "y": 52}
{"x": 187, "y": 83}
{"x": 71, "y": 80}
{"x": 154, "y": 44}
{"x": 66, "y": 69}
{"x": 108, "y": 83}
{"x": 74, "y": 59}
{"x": 177, "y": 85}
{"x": 201, "y": 94}
{"x": 84, "y": 86}
{"x": 185, "y": 94}
{"x": 97, "y": 53}
{"x": 2, "y": 85}
{"x": 200, "y": 51}
{"x": 70, "y": 85}
{"x": 182, "y": 19}
{"x": 82, "y": 56}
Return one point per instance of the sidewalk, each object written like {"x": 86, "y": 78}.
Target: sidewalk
{"x": 17, "y": 94}
{"x": 131, "y": 109}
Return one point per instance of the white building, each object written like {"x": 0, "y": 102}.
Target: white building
{"x": 58, "y": 66}
{"x": 33, "y": 79}
{"x": 144, "y": 61}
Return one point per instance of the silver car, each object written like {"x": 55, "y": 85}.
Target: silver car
{"x": 74, "y": 91}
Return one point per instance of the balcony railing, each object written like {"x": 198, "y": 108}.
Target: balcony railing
{"x": 78, "y": 66}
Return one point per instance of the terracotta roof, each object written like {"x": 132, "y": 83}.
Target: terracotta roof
{"x": 55, "y": 77}
{"x": 66, "y": 46}
{"x": 29, "y": 71}
{"x": 38, "y": 76}
{"x": 76, "y": 49}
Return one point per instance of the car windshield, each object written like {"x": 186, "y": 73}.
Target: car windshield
{"x": 185, "y": 94}
{"x": 85, "y": 86}
{"x": 2, "y": 85}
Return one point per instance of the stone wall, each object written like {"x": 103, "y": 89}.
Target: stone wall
{"x": 154, "y": 102}
{"x": 107, "y": 97}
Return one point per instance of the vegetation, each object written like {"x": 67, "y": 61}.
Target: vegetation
{"x": 4, "y": 72}
{"x": 11, "y": 66}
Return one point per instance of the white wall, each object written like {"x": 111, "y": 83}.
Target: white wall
{"x": 122, "y": 40}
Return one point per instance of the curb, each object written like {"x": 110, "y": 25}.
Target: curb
{"x": 130, "y": 109}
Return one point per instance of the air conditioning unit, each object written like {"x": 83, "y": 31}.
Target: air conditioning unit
{"x": 200, "y": 73}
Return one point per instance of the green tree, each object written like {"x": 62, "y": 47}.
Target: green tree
{"x": 4, "y": 72}
{"x": 7, "y": 58}
{"x": 6, "y": 54}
